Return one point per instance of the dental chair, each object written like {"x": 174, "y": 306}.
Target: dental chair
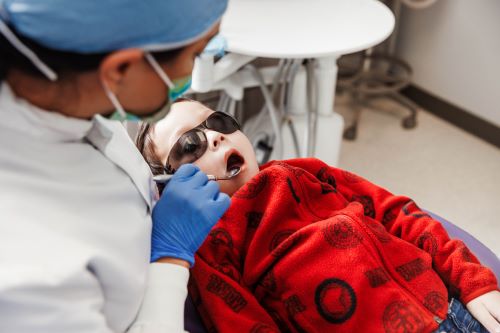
{"x": 193, "y": 323}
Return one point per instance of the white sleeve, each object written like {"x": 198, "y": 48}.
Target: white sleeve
{"x": 162, "y": 309}
{"x": 37, "y": 299}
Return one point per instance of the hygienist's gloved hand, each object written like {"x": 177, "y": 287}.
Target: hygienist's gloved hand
{"x": 186, "y": 212}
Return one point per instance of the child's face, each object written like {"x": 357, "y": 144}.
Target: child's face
{"x": 223, "y": 150}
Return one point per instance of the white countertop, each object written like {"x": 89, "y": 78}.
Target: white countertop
{"x": 305, "y": 28}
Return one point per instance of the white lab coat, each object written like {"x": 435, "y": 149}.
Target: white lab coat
{"x": 75, "y": 227}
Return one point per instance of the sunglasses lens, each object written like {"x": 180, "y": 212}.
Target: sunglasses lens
{"x": 190, "y": 147}
{"x": 222, "y": 123}
{"x": 193, "y": 144}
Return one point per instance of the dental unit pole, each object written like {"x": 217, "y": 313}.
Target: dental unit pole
{"x": 312, "y": 116}
{"x": 253, "y": 126}
{"x": 290, "y": 81}
{"x": 273, "y": 112}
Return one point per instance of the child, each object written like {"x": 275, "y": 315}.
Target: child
{"x": 306, "y": 247}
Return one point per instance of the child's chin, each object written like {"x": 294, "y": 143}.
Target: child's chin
{"x": 229, "y": 189}
{"x": 232, "y": 186}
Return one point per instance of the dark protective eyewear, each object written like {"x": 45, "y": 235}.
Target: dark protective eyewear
{"x": 194, "y": 143}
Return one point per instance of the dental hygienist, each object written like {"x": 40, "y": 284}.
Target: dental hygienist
{"x": 77, "y": 225}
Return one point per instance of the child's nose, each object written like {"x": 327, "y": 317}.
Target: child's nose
{"x": 214, "y": 139}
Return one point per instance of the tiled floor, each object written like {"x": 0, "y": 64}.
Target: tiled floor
{"x": 443, "y": 168}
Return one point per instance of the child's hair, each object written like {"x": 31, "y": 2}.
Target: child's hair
{"x": 147, "y": 147}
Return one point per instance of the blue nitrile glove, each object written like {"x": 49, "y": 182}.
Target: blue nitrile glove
{"x": 186, "y": 212}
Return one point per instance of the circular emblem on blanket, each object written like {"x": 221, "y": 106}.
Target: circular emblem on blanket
{"x": 220, "y": 236}
{"x": 367, "y": 202}
{"x": 427, "y": 242}
{"x": 335, "y": 300}
{"x": 262, "y": 328}
{"x": 253, "y": 188}
{"x": 340, "y": 234}
{"x": 402, "y": 317}
{"x": 351, "y": 178}
{"x": 435, "y": 301}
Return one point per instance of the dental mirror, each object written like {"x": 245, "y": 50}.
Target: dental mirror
{"x": 163, "y": 179}
{"x": 233, "y": 173}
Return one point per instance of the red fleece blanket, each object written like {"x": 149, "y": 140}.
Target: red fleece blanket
{"x": 306, "y": 247}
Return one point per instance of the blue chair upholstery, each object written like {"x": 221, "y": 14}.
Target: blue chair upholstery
{"x": 192, "y": 320}
{"x": 193, "y": 323}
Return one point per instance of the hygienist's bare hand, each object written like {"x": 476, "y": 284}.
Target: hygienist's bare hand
{"x": 486, "y": 309}
{"x": 186, "y": 212}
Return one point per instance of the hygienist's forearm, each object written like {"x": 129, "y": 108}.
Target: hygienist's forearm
{"x": 162, "y": 309}
{"x": 174, "y": 261}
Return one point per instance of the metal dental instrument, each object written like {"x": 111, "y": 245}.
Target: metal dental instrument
{"x": 163, "y": 179}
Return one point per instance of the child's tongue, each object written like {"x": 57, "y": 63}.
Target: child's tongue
{"x": 234, "y": 162}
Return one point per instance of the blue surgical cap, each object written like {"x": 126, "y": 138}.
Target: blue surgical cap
{"x": 99, "y": 26}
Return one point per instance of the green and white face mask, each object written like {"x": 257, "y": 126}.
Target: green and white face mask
{"x": 176, "y": 89}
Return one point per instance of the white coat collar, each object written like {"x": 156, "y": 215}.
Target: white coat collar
{"x": 113, "y": 141}
{"x": 19, "y": 115}
{"x": 107, "y": 136}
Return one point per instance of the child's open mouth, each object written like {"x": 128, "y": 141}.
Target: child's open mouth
{"x": 234, "y": 162}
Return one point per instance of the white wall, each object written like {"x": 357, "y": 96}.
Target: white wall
{"x": 454, "y": 49}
